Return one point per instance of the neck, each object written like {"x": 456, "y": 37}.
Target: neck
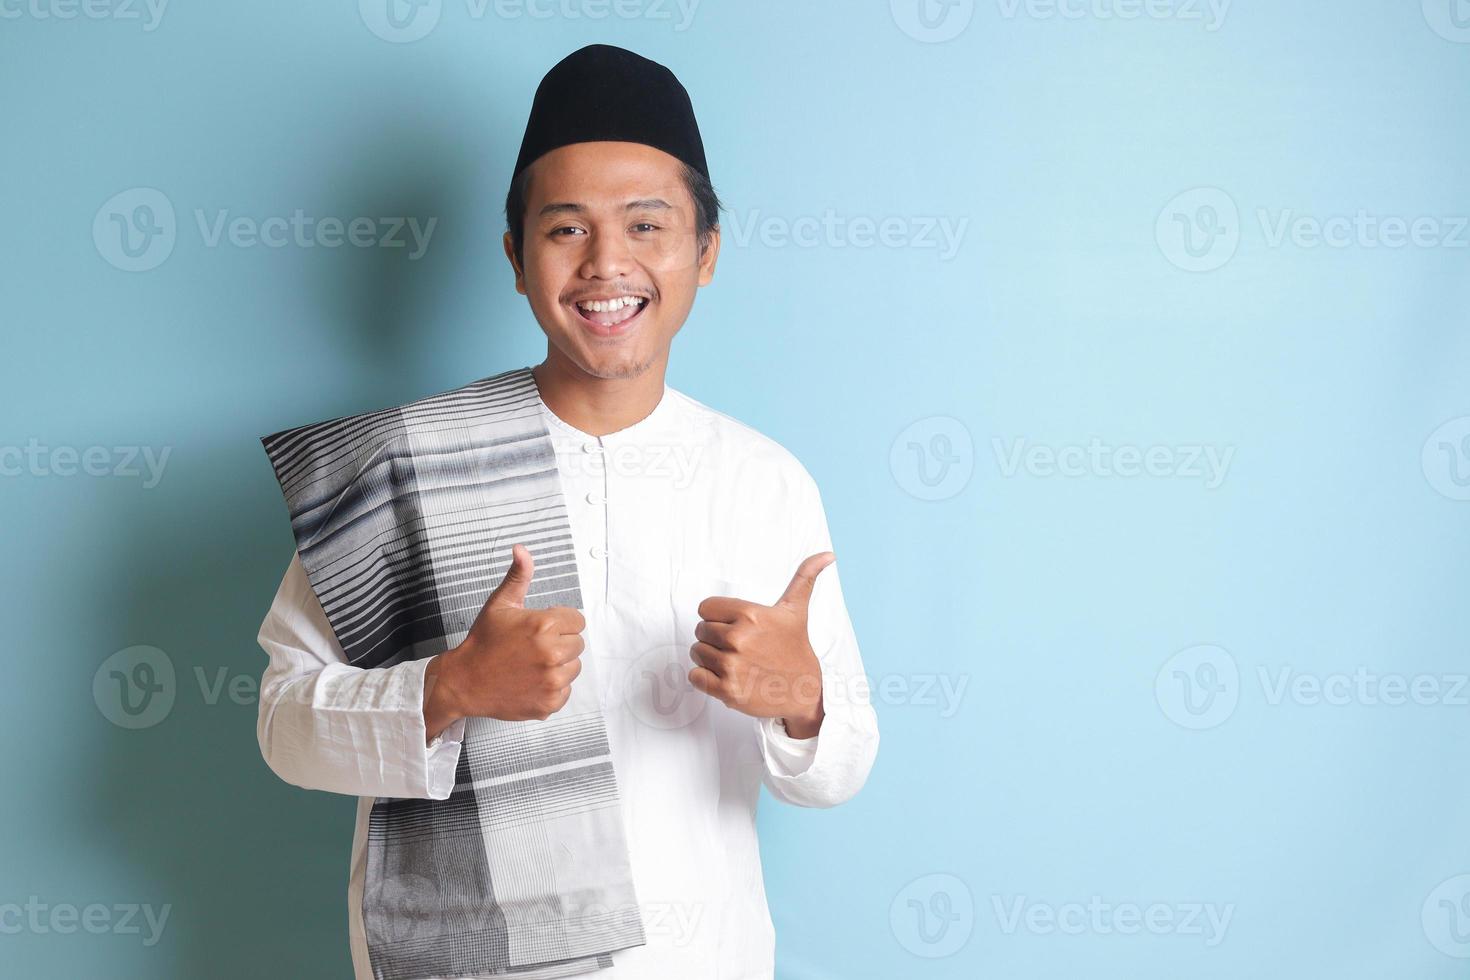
{"x": 596, "y": 405}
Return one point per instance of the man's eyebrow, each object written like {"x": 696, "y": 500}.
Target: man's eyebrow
{"x": 567, "y": 207}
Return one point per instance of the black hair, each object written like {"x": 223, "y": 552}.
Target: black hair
{"x": 707, "y": 207}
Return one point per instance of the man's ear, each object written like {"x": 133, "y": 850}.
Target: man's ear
{"x": 710, "y": 256}
{"x": 510, "y": 253}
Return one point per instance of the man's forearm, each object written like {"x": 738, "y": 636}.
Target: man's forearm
{"x": 324, "y": 724}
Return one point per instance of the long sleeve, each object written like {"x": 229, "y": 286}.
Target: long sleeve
{"x": 831, "y": 766}
{"x": 327, "y": 725}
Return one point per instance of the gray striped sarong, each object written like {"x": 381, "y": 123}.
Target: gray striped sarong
{"x": 404, "y": 520}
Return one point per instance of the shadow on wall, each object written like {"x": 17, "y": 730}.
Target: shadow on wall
{"x": 256, "y": 870}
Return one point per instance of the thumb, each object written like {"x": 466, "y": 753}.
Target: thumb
{"x": 799, "y": 592}
{"x": 512, "y": 589}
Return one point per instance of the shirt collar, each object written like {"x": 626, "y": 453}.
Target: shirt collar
{"x": 630, "y": 433}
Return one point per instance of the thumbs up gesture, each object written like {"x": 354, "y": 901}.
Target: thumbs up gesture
{"x": 515, "y": 664}
{"x": 758, "y": 659}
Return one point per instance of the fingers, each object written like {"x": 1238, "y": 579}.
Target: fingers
{"x": 721, "y": 635}
{"x": 799, "y": 592}
{"x": 559, "y": 689}
{"x": 563, "y": 649}
{"x": 723, "y": 609}
{"x": 553, "y": 703}
{"x": 704, "y": 680}
{"x": 512, "y": 589}
{"x": 563, "y": 676}
{"x": 709, "y": 658}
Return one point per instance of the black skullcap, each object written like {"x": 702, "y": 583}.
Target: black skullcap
{"x": 602, "y": 92}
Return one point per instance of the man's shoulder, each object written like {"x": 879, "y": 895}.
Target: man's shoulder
{"x": 484, "y": 399}
{"x": 748, "y": 442}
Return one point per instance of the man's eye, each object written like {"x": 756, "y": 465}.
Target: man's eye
{"x": 644, "y": 226}
{"x": 566, "y": 228}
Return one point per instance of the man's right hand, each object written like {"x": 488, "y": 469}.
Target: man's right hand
{"x": 516, "y": 664}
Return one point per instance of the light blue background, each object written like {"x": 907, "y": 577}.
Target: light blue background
{"x": 1064, "y": 316}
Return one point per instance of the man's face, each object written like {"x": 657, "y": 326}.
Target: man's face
{"x": 611, "y": 259}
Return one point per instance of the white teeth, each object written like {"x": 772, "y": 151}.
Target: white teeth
{"x": 608, "y": 305}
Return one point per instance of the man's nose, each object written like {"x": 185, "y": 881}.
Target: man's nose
{"x": 608, "y": 256}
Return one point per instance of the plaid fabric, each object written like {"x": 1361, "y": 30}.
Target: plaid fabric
{"x": 404, "y": 520}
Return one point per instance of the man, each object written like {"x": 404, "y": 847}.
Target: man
{"x": 700, "y": 632}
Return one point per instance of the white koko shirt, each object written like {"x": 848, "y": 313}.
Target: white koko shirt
{"x": 686, "y": 503}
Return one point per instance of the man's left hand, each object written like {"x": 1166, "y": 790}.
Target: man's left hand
{"x": 758, "y": 659}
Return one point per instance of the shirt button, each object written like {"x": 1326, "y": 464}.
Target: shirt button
{"x": 598, "y": 553}
{"x": 595, "y": 498}
{"x": 591, "y": 447}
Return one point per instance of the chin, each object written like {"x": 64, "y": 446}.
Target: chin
{"x": 614, "y": 367}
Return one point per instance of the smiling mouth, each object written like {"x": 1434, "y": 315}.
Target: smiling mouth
{"x": 610, "y": 316}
